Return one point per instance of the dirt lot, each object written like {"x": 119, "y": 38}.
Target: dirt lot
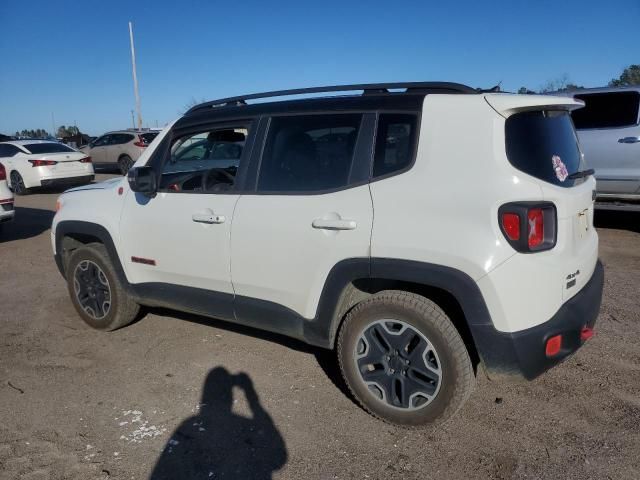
{"x": 182, "y": 394}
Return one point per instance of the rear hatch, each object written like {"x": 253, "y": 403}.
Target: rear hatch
{"x": 541, "y": 142}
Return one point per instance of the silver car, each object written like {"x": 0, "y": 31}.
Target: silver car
{"x": 119, "y": 148}
{"x": 609, "y": 133}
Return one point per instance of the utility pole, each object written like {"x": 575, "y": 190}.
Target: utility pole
{"x": 133, "y": 120}
{"x": 53, "y": 125}
{"x": 135, "y": 77}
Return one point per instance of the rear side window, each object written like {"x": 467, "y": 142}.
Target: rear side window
{"x": 308, "y": 153}
{"x": 607, "y": 110}
{"x": 395, "y": 143}
{"x": 121, "y": 138}
{"x": 147, "y": 138}
{"x": 48, "y": 148}
{"x": 543, "y": 145}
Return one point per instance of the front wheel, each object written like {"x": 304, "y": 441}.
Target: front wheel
{"x": 17, "y": 184}
{"x": 403, "y": 359}
{"x": 125, "y": 163}
{"x": 96, "y": 291}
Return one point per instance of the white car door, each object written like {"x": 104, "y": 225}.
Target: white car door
{"x": 180, "y": 237}
{"x": 311, "y": 210}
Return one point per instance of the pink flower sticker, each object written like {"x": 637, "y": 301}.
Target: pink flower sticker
{"x": 560, "y": 168}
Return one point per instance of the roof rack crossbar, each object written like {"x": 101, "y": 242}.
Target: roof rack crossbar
{"x": 368, "y": 89}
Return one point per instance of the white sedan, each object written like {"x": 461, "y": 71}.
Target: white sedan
{"x": 43, "y": 163}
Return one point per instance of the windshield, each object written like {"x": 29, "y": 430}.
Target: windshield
{"x": 48, "y": 148}
{"x": 544, "y": 145}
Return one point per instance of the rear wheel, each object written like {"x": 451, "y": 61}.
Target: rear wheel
{"x": 95, "y": 290}
{"x": 125, "y": 163}
{"x": 17, "y": 184}
{"x": 403, "y": 359}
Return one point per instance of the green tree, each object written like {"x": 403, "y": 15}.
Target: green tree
{"x": 630, "y": 76}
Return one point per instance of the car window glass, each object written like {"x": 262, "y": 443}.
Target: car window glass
{"x": 121, "y": 138}
{"x": 607, "y": 110}
{"x": 204, "y": 162}
{"x": 308, "y": 153}
{"x": 395, "y": 143}
{"x": 48, "y": 148}
{"x": 101, "y": 141}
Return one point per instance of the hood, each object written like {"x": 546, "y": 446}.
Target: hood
{"x": 106, "y": 185}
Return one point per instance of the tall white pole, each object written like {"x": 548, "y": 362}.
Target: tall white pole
{"x": 135, "y": 76}
{"x": 53, "y": 126}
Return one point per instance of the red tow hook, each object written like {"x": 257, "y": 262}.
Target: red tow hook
{"x": 586, "y": 333}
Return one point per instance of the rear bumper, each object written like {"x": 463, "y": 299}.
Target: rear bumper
{"x": 61, "y": 182}
{"x": 522, "y": 353}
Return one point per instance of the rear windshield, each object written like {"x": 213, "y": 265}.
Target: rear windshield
{"x": 544, "y": 145}
{"x": 47, "y": 148}
{"x": 148, "y": 137}
{"x": 607, "y": 110}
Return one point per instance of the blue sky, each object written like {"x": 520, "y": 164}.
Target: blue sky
{"x": 72, "y": 58}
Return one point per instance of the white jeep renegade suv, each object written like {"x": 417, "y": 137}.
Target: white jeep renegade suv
{"x": 419, "y": 229}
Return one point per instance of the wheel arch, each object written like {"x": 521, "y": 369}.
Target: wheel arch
{"x": 353, "y": 280}
{"x": 72, "y": 234}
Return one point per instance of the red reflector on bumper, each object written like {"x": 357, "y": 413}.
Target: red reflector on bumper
{"x": 586, "y": 333}
{"x": 554, "y": 344}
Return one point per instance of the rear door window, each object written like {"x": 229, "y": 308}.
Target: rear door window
{"x": 308, "y": 153}
{"x": 607, "y": 110}
{"x": 544, "y": 145}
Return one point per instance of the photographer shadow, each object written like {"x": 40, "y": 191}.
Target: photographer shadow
{"x": 218, "y": 443}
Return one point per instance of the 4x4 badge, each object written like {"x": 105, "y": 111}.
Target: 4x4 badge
{"x": 560, "y": 168}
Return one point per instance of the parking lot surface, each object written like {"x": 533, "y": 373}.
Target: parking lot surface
{"x": 181, "y": 396}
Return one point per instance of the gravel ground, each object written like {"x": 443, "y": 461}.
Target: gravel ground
{"x": 174, "y": 393}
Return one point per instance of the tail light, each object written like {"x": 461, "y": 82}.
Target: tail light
{"x": 529, "y": 226}
{"x": 85, "y": 160}
{"x": 42, "y": 163}
{"x": 3, "y": 172}
{"x": 140, "y": 142}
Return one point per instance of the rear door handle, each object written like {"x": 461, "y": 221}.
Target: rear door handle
{"x": 207, "y": 217}
{"x": 331, "y": 224}
{"x": 629, "y": 140}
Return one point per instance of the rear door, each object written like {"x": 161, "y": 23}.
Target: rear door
{"x": 98, "y": 150}
{"x": 312, "y": 208}
{"x": 610, "y": 139}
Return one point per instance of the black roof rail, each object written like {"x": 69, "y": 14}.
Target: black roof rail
{"x": 368, "y": 89}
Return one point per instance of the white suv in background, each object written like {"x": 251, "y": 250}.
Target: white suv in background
{"x": 119, "y": 149}
{"x": 420, "y": 230}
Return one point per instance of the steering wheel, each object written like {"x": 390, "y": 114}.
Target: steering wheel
{"x": 222, "y": 177}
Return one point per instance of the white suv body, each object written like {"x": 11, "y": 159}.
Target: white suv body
{"x": 7, "y": 211}
{"x": 443, "y": 217}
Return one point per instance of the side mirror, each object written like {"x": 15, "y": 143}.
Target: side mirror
{"x": 142, "y": 180}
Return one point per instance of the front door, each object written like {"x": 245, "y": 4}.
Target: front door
{"x": 178, "y": 242}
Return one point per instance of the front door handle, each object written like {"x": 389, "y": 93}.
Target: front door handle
{"x": 207, "y": 217}
{"x": 334, "y": 224}
{"x": 629, "y": 140}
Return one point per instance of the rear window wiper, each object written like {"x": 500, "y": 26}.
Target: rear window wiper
{"x": 582, "y": 174}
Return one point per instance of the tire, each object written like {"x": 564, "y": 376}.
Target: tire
{"x": 423, "y": 384}
{"x": 125, "y": 163}
{"x": 17, "y": 184}
{"x": 95, "y": 290}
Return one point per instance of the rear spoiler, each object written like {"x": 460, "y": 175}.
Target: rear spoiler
{"x": 507, "y": 104}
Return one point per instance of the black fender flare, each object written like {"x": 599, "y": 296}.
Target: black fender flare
{"x": 88, "y": 229}
{"x": 323, "y": 328}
